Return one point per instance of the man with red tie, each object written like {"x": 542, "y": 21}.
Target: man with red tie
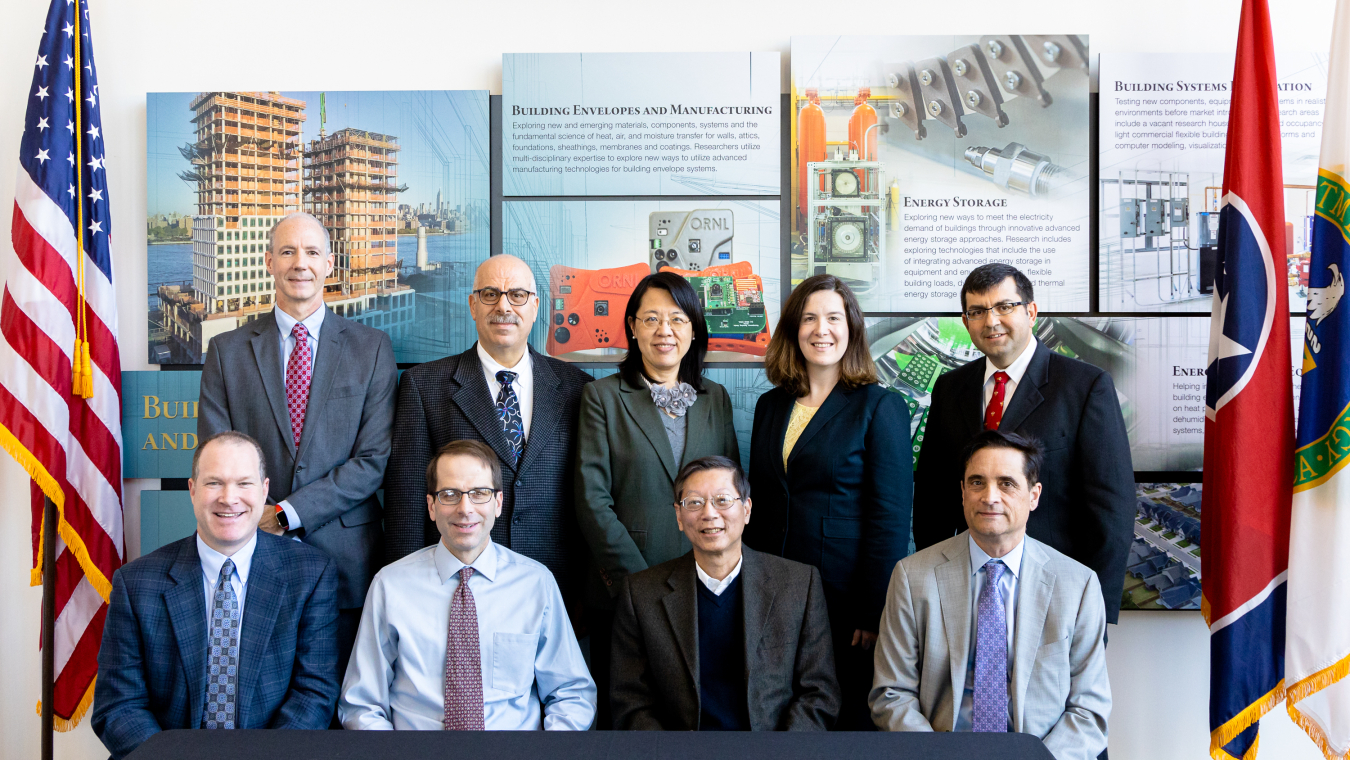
{"x": 466, "y": 634}
{"x": 316, "y": 391}
{"x": 1020, "y": 386}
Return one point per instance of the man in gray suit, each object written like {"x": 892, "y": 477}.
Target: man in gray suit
{"x": 317, "y": 392}
{"x": 688, "y": 631}
{"x": 992, "y": 630}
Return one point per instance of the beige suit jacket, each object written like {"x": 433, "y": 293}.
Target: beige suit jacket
{"x": 1059, "y": 690}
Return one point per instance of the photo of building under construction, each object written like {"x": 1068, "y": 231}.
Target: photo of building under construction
{"x": 399, "y": 180}
{"x": 917, "y": 158}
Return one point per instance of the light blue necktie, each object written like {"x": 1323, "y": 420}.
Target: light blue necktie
{"x": 222, "y": 675}
{"x": 991, "y": 654}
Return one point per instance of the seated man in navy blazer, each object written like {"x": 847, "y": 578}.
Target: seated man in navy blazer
{"x": 229, "y": 628}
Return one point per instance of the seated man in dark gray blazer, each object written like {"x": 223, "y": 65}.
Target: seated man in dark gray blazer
{"x": 992, "y": 630}
{"x": 686, "y": 632}
{"x": 228, "y": 628}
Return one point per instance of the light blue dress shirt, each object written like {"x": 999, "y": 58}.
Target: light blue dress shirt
{"x": 532, "y": 669}
{"x": 1007, "y": 586}
{"x": 285, "y": 324}
{"x": 212, "y": 561}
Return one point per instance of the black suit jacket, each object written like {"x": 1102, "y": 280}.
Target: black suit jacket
{"x": 448, "y": 400}
{"x": 1087, "y": 499}
{"x": 789, "y": 657}
{"x": 332, "y": 478}
{"x": 153, "y": 660}
{"x": 843, "y": 501}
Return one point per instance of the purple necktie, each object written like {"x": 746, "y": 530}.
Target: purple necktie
{"x": 299, "y": 371}
{"x": 463, "y": 662}
{"x": 991, "y": 654}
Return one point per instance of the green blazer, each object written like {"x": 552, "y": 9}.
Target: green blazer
{"x": 625, "y": 484}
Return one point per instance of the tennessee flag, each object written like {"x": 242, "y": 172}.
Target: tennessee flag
{"x": 1249, "y": 412}
{"x": 1317, "y": 645}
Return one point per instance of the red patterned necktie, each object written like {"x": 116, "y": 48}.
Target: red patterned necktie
{"x": 993, "y": 414}
{"x": 463, "y": 662}
{"x": 299, "y": 371}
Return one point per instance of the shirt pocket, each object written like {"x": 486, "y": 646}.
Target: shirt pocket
{"x": 513, "y": 661}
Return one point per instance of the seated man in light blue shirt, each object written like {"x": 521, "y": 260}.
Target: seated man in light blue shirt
{"x": 992, "y": 630}
{"x": 466, "y": 634}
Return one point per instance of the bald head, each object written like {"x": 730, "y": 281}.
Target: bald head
{"x": 503, "y": 326}
{"x": 298, "y": 218}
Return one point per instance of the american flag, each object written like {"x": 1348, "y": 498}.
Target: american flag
{"x": 62, "y": 424}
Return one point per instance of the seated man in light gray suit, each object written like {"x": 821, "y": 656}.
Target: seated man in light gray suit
{"x": 992, "y": 630}
{"x": 317, "y": 393}
{"x": 686, "y": 632}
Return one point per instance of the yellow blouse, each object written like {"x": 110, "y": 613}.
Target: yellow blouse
{"x": 801, "y": 417}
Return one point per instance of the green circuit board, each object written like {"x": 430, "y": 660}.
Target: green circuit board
{"x": 727, "y": 311}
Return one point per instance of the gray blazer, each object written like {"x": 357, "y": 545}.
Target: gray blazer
{"x": 789, "y": 658}
{"x": 1060, "y": 689}
{"x": 332, "y": 479}
{"x": 625, "y": 483}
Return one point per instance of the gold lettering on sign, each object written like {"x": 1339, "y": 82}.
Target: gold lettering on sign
{"x": 151, "y": 405}
{"x": 150, "y": 442}
{"x": 170, "y": 441}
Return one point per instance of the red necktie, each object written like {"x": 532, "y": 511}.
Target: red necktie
{"x": 993, "y": 414}
{"x": 299, "y": 371}
{"x": 463, "y": 662}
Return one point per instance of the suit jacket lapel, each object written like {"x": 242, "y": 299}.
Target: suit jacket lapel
{"x": 757, "y": 597}
{"x": 546, "y": 413}
{"x": 682, "y": 611}
{"x": 970, "y": 397}
{"x": 266, "y": 343}
{"x": 953, "y": 579}
{"x": 782, "y": 413}
{"x": 638, "y": 402}
{"x": 186, "y": 604}
{"x": 475, "y": 400}
{"x": 1034, "y": 589}
{"x": 1028, "y": 396}
{"x": 834, "y": 404}
{"x": 332, "y": 340}
{"x": 262, "y": 602}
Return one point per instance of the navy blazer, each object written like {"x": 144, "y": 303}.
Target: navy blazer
{"x": 152, "y": 664}
{"x": 1087, "y": 500}
{"x": 843, "y": 502}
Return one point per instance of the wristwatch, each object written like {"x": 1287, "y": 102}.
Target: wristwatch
{"x": 281, "y": 518}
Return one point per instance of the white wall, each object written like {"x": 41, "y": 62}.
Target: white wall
{"x": 1158, "y": 661}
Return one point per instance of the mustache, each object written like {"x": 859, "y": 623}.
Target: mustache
{"x": 504, "y": 319}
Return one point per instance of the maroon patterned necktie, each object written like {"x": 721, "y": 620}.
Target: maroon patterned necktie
{"x": 993, "y": 414}
{"x": 299, "y": 371}
{"x": 463, "y": 662}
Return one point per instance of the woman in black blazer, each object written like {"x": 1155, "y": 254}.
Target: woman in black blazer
{"x": 831, "y": 472}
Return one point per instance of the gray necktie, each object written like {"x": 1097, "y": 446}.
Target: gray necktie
{"x": 222, "y": 675}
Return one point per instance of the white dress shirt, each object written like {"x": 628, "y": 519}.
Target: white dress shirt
{"x": 524, "y": 382}
{"x": 212, "y": 561}
{"x": 530, "y": 658}
{"x": 1007, "y": 586}
{"x": 1015, "y": 372}
{"x": 286, "y": 323}
{"x": 714, "y": 585}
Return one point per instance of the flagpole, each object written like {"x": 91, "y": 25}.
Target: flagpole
{"x": 48, "y": 624}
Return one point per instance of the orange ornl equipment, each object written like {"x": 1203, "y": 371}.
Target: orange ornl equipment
{"x": 861, "y": 135}
{"x": 810, "y": 143}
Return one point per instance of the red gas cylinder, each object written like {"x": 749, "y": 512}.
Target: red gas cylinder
{"x": 810, "y": 142}
{"x": 860, "y": 137}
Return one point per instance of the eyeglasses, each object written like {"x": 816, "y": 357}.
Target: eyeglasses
{"x": 722, "y": 501}
{"x": 677, "y": 321}
{"x": 517, "y": 296}
{"x": 449, "y": 497}
{"x": 976, "y": 313}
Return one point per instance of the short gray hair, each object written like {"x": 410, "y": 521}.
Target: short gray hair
{"x": 327, "y": 241}
{"x": 235, "y": 437}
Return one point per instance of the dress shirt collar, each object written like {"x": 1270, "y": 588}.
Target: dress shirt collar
{"x": 714, "y": 585}
{"x": 1017, "y": 368}
{"x": 1013, "y": 559}
{"x": 492, "y": 366}
{"x": 448, "y": 565}
{"x": 286, "y": 323}
{"x": 212, "y": 560}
